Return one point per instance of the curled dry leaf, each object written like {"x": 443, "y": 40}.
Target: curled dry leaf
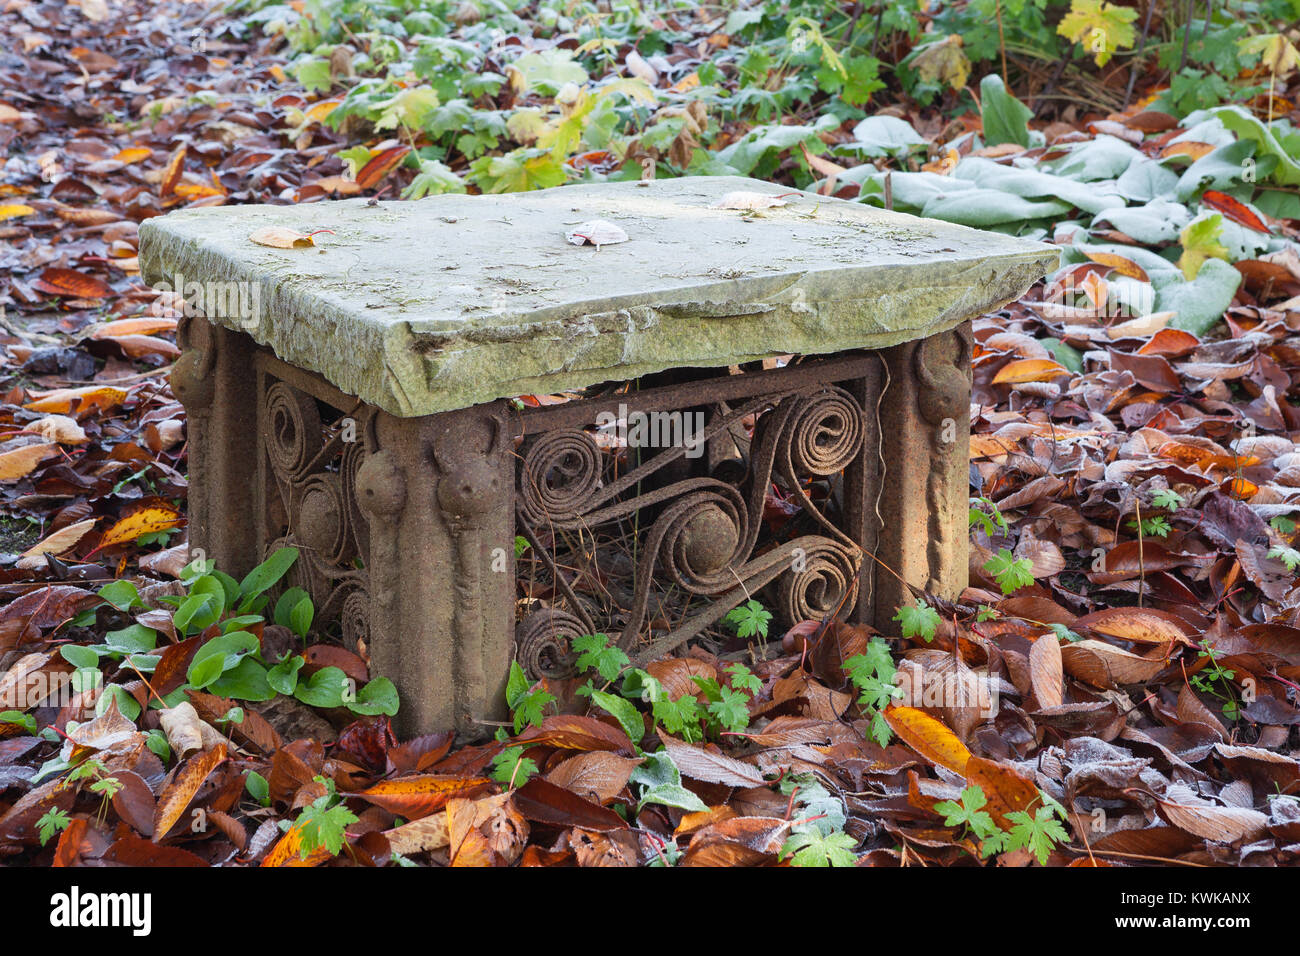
{"x": 186, "y": 731}
{"x": 485, "y": 832}
{"x": 1218, "y": 824}
{"x": 184, "y": 785}
{"x": 56, "y": 544}
{"x": 596, "y": 232}
{"x": 59, "y": 428}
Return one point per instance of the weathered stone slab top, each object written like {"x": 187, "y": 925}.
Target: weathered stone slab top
{"x": 420, "y": 307}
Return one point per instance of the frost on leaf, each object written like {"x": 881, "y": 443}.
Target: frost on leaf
{"x": 748, "y": 200}
{"x": 597, "y": 232}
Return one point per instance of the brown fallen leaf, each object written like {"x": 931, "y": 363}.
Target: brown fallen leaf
{"x": 1045, "y": 671}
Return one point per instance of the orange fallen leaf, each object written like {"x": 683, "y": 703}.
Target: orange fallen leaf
{"x": 172, "y": 171}
{"x": 133, "y": 154}
{"x": 1187, "y": 148}
{"x": 419, "y": 796}
{"x": 146, "y": 326}
{"x": 1235, "y": 210}
{"x": 687, "y": 83}
{"x": 70, "y": 283}
{"x": 178, "y": 794}
{"x": 1005, "y": 790}
{"x": 1028, "y": 370}
{"x": 288, "y": 851}
{"x": 1136, "y": 624}
{"x": 1124, "y": 266}
{"x": 62, "y": 400}
{"x": 380, "y": 165}
{"x": 928, "y": 736}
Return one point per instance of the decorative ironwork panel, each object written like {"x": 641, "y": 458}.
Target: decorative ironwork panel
{"x": 650, "y": 512}
{"x": 310, "y": 452}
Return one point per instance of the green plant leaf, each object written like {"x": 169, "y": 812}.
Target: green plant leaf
{"x": 1006, "y": 119}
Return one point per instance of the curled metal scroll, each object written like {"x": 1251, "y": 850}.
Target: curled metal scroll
{"x": 544, "y": 643}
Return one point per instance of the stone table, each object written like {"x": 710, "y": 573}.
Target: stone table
{"x": 358, "y": 398}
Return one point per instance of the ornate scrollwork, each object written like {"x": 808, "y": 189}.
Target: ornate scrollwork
{"x": 325, "y": 492}
{"x": 543, "y": 643}
{"x": 648, "y": 544}
{"x": 561, "y": 475}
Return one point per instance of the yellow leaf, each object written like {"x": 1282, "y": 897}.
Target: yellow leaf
{"x": 15, "y": 209}
{"x": 133, "y": 154}
{"x": 928, "y": 736}
{"x": 1277, "y": 54}
{"x": 146, "y": 520}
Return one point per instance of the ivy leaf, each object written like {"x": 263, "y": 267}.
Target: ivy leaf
{"x": 321, "y": 827}
{"x": 969, "y": 813}
{"x": 1288, "y": 556}
{"x": 1168, "y": 499}
{"x": 874, "y": 662}
{"x": 54, "y": 821}
{"x": 511, "y": 767}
